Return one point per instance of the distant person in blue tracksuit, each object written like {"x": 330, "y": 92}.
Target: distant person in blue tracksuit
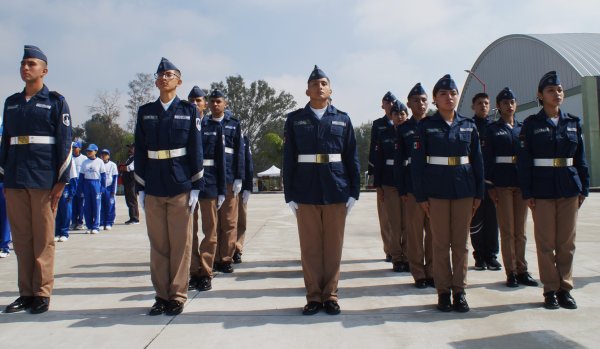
{"x": 107, "y": 213}
{"x": 92, "y": 181}
{"x": 77, "y": 202}
{"x": 4, "y": 226}
{"x": 65, "y": 208}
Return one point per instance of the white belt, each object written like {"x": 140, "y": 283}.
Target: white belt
{"x": 506, "y": 159}
{"x": 166, "y": 154}
{"x": 320, "y": 158}
{"x": 229, "y": 150}
{"x": 407, "y": 162}
{"x": 32, "y": 140}
{"x": 448, "y": 161}
{"x": 208, "y": 162}
{"x": 556, "y": 162}
{"x": 389, "y": 162}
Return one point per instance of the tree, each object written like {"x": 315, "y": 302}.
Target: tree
{"x": 261, "y": 110}
{"x": 271, "y": 152}
{"x": 103, "y": 128}
{"x": 140, "y": 92}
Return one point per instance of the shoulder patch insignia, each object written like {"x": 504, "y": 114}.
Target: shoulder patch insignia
{"x": 66, "y": 119}
{"x": 199, "y": 124}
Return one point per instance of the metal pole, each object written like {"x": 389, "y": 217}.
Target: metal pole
{"x": 476, "y": 77}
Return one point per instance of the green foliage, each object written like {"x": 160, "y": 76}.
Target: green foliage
{"x": 141, "y": 91}
{"x": 271, "y": 145}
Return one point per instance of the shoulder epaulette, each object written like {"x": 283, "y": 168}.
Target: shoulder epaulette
{"x": 297, "y": 111}
{"x": 184, "y": 101}
{"x": 574, "y": 117}
{"x": 56, "y": 94}
{"x": 13, "y": 95}
{"x": 530, "y": 117}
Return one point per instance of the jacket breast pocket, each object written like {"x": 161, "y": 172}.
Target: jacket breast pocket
{"x": 180, "y": 131}
{"x": 464, "y": 137}
{"x": 337, "y": 130}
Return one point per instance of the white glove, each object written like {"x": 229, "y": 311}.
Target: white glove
{"x": 193, "y": 199}
{"x": 220, "y": 201}
{"x": 349, "y": 204}
{"x": 237, "y": 187}
{"x": 245, "y": 196}
{"x": 293, "y": 206}
{"x": 141, "y": 199}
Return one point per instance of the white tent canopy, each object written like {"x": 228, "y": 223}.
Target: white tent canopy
{"x": 273, "y": 171}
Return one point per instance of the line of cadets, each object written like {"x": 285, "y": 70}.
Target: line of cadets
{"x": 442, "y": 174}
{"x": 429, "y": 172}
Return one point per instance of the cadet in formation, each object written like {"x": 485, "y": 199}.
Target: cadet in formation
{"x": 77, "y": 202}
{"x": 37, "y": 129}
{"x": 385, "y": 180}
{"x": 321, "y": 180}
{"x": 243, "y": 204}
{"x": 168, "y": 170}
{"x": 484, "y": 227}
{"x": 92, "y": 181}
{"x": 380, "y": 125}
{"x": 64, "y": 211}
{"x": 234, "y": 174}
{"x": 447, "y": 174}
{"x": 107, "y": 212}
{"x": 211, "y": 197}
{"x": 4, "y": 226}
{"x": 418, "y": 231}
{"x": 127, "y": 171}
{"x": 554, "y": 179}
{"x": 500, "y": 162}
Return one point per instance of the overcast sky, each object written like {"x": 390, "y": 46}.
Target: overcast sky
{"x": 365, "y": 47}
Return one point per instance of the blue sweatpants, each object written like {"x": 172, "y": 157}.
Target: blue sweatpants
{"x": 92, "y": 192}
{"x": 77, "y": 210}
{"x": 63, "y": 215}
{"x": 108, "y": 209}
{"x": 4, "y": 226}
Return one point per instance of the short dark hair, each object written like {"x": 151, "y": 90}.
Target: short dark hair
{"x": 478, "y": 96}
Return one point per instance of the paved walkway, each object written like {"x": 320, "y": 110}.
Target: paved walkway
{"x": 103, "y": 291}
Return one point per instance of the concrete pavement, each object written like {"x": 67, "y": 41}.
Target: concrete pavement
{"x": 103, "y": 292}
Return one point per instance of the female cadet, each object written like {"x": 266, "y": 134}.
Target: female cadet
{"x": 554, "y": 180}
{"x": 447, "y": 173}
{"x": 386, "y": 148}
{"x": 499, "y": 158}
{"x": 418, "y": 232}
{"x": 92, "y": 181}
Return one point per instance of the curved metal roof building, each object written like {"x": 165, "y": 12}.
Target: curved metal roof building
{"x": 518, "y": 61}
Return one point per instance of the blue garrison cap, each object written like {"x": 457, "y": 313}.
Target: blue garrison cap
{"x": 196, "y": 92}
{"x": 105, "y": 151}
{"x": 317, "y": 73}
{"x": 445, "y": 83}
{"x": 165, "y": 65}
{"x": 417, "y": 90}
{"x": 76, "y": 145}
{"x": 549, "y": 79}
{"x": 92, "y": 147}
{"x": 389, "y": 97}
{"x": 31, "y": 51}
{"x": 217, "y": 94}
{"x": 398, "y": 106}
{"x": 506, "y": 93}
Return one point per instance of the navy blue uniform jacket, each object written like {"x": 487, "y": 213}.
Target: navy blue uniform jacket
{"x": 248, "y": 165}
{"x": 406, "y": 140}
{"x": 435, "y": 138}
{"x": 36, "y": 166}
{"x": 213, "y": 146}
{"x": 540, "y": 139}
{"x": 386, "y": 148}
{"x": 234, "y": 148}
{"x": 158, "y": 129}
{"x": 326, "y": 183}
{"x": 378, "y": 126}
{"x": 501, "y": 140}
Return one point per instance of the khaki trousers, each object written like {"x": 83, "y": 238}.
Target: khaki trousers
{"x": 169, "y": 225}
{"x": 511, "y": 211}
{"x": 419, "y": 241}
{"x": 203, "y": 253}
{"x": 321, "y": 231}
{"x": 227, "y": 227}
{"x": 241, "y": 225}
{"x": 450, "y": 221}
{"x": 32, "y": 226}
{"x": 554, "y": 223}
{"x": 384, "y": 223}
{"x": 392, "y": 204}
